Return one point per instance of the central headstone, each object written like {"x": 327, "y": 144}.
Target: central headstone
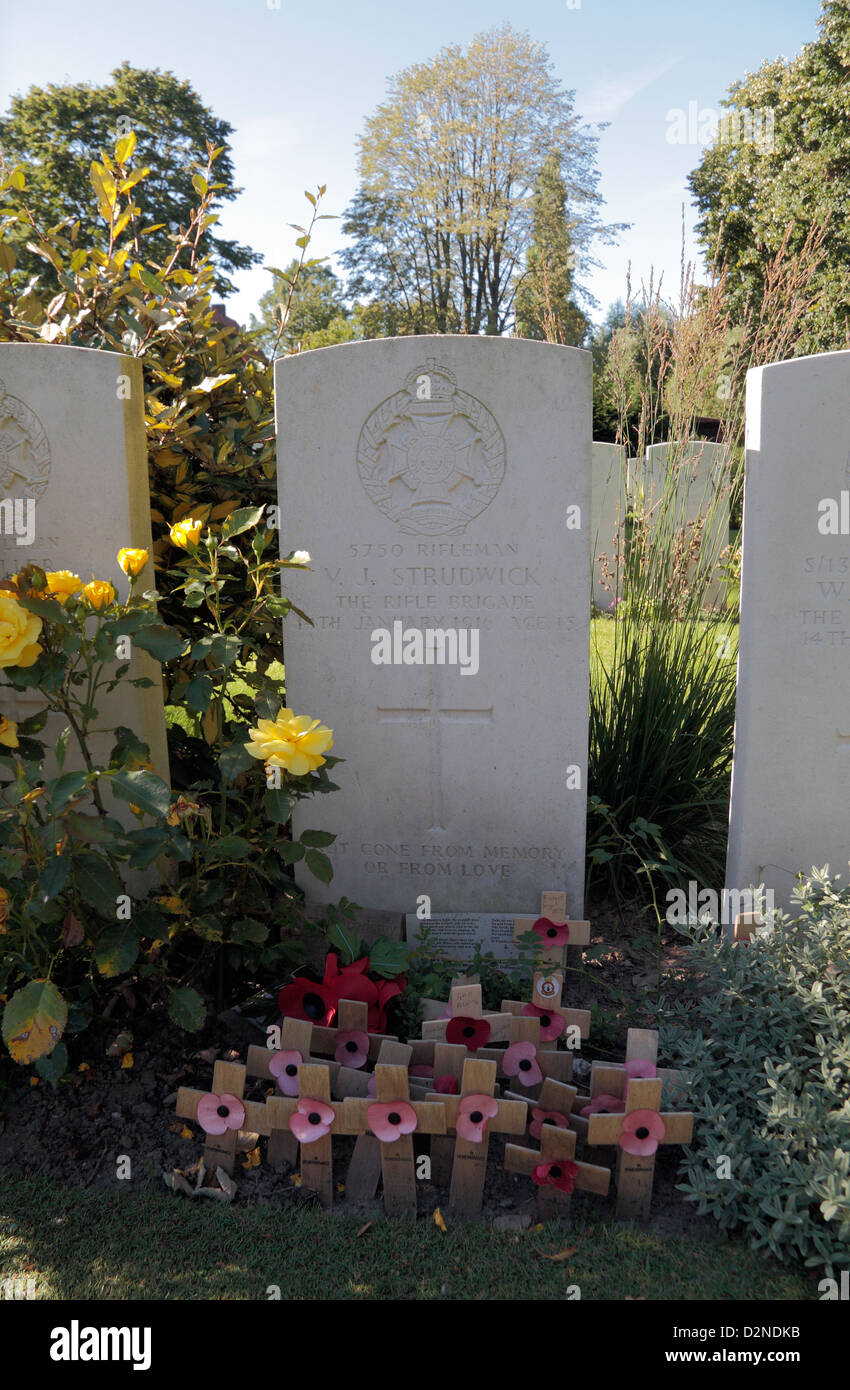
{"x": 442, "y": 488}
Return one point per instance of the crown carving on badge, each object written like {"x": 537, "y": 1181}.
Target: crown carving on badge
{"x": 440, "y": 381}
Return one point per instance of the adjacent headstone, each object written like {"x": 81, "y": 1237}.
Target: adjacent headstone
{"x": 792, "y": 726}
{"x": 442, "y": 488}
{"x": 73, "y": 445}
{"x": 607, "y": 520}
{"x": 701, "y": 490}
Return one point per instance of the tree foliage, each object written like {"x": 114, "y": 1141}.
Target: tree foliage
{"x": 58, "y": 131}
{"x": 444, "y": 213}
{"x": 779, "y": 167}
{"x": 313, "y": 315}
{"x": 545, "y": 306}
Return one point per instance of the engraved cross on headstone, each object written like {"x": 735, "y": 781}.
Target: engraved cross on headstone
{"x": 433, "y": 718}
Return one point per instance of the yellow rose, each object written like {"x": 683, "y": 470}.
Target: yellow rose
{"x": 99, "y": 593}
{"x": 293, "y": 741}
{"x": 132, "y": 561}
{"x": 186, "y": 532}
{"x": 62, "y": 584}
{"x": 8, "y": 732}
{"x": 18, "y": 633}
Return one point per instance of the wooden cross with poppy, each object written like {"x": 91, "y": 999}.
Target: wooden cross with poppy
{"x": 313, "y": 1118}
{"x": 608, "y": 1080}
{"x": 449, "y": 1059}
{"x": 222, "y": 1113}
{"x": 552, "y": 929}
{"x": 392, "y": 1119}
{"x": 524, "y": 1060}
{"x": 553, "y": 1106}
{"x": 364, "y": 1169}
{"x": 468, "y": 1023}
{"x": 638, "y": 1130}
{"x": 555, "y": 1172}
{"x": 280, "y": 1065}
{"x": 546, "y": 1004}
{"x": 350, "y": 1043}
{"x": 473, "y": 1115}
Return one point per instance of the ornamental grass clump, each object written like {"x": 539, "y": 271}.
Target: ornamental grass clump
{"x": 766, "y": 1041}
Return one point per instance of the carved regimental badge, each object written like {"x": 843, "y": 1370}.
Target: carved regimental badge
{"x": 431, "y": 457}
{"x": 24, "y": 450}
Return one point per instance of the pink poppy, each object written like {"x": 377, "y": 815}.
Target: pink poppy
{"x": 352, "y": 1048}
{"x": 472, "y": 1116}
{"x": 390, "y": 1119}
{"x": 446, "y": 1085}
{"x": 640, "y": 1068}
{"x": 539, "y": 1118}
{"x": 472, "y": 1032}
{"x": 561, "y": 1174}
{"x": 420, "y": 1070}
{"x": 642, "y": 1132}
{"x": 552, "y": 934}
{"x": 520, "y": 1061}
{"x": 311, "y": 1121}
{"x": 604, "y": 1105}
{"x": 372, "y": 1086}
{"x": 551, "y": 1025}
{"x": 219, "y": 1113}
{"x": 284, "y": 1068}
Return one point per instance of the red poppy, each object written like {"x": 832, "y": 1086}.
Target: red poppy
{"x": 446, "y": 1085}
{"x": 520, "y": 1060}
{"x": 305, "y": 999}
{"x": 642, "y": 1132}
{"x": 552, "y": 934}
{"x": 560, "y": 1173}
{"x": 603, "y": 1105}
{"x": 539, "y": 1118}
{"x": 472, "y": 1032}
{"x": 388, "y": 1120}
{"x": 552, "y": 1025}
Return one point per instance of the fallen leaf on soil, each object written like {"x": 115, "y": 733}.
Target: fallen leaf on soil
{"x": 127, "y": 1061}
{"x": 559, "y": 1254}
{"x": 209, "y": 1054}
{"x": 33, "y": 1080}
{"x": 252, "y": 1159}
{"x": 364, "y": 1229}
{"x": 340, "y": 1187}
{"x": 84, "y": 1066}
{"x": 438, "y": 1220}
{"x": 246, "y": 1141}
{"x": 184, "y": 1131}
{"x": 122, "y": 1044}
{"x": 296, "y": 1179}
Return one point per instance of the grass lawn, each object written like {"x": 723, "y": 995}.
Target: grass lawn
{"x": 79, "y": 1244}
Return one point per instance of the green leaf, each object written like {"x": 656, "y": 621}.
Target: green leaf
{"x": 290, "y": 851}
{"x": 388, "y": 958}
{"x": 248, "y": 930}
{"x": 148, "y": 844}
{"x": 98, "y": 883}
{"x": 33, "y": 1021}
{"x": 46, "y": 608}
{"x": 54, "y": 876}
{"x": 97, "y": 830}
{"x": 165, "y": 643}
{"x": 347, "y": 942}
{"x": 278, "y": 805}
{"x": 186, "y": 1009}
{"x": 53, "y": 1066}
{"x": 143, "y": 789}
{"x": 319, "y": 865}
{"x": 65, "y": 788}
{"x": 235, "y": 759}
{"x": 117, "y": 950}
{"x": 221, "y": 646}
{"x": 231, "y": 847}
{"x": 199, "y": 692}
{"x": 318, "y": 839}
{"x": 241, "y": 520}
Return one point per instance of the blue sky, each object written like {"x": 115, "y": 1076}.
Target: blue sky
{"x": 298, "y": 81}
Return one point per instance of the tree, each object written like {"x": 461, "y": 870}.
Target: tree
{"x": 781, "y": 165}
{"x": 443, "y": 216}
{"x": 315, "y": 315}
{"x": 544, "y": 303}
{"x": 58, "y": 131}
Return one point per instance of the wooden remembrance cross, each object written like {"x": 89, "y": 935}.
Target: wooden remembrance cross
{"x": 314, "y": 1084}
{"x": 364, "y": 1168}
{"x": 470, "y": 1158}
{"x": 397, "y": 1162}
{"x": 557, "y": 1147}
{"x": 465, "y": 1001}
{"x": 295, "y": 1036}
{"x": 558, "y": 1065}
{"x": 228, "y": 1079}
{"x": 553, "y": 906}
{"x": 635, "y": 1170}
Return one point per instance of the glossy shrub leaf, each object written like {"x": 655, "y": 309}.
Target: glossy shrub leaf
{"x": 33, "y": 1021}
{"x": 186, "y": 1009}
{"x": 116, "y": 950}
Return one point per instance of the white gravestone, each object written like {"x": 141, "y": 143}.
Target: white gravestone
{"x": 72, "y": 441}
{"x": 792, "y": 728}
{"x": 430, "y": 479}
{"x": 702, "y": 490}
{"x": 607, "y": 519}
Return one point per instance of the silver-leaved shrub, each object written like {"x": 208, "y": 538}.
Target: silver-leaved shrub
{"x": 766, "y": 1040}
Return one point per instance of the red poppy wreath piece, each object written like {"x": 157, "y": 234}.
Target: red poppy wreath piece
{"x": 560, "y": 1173}
{"x": 309, "y": 1001}
{"x": 472, "y": 1032}
{"x": 540, "y": 1117}
{"x": 311, "y": 1121}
